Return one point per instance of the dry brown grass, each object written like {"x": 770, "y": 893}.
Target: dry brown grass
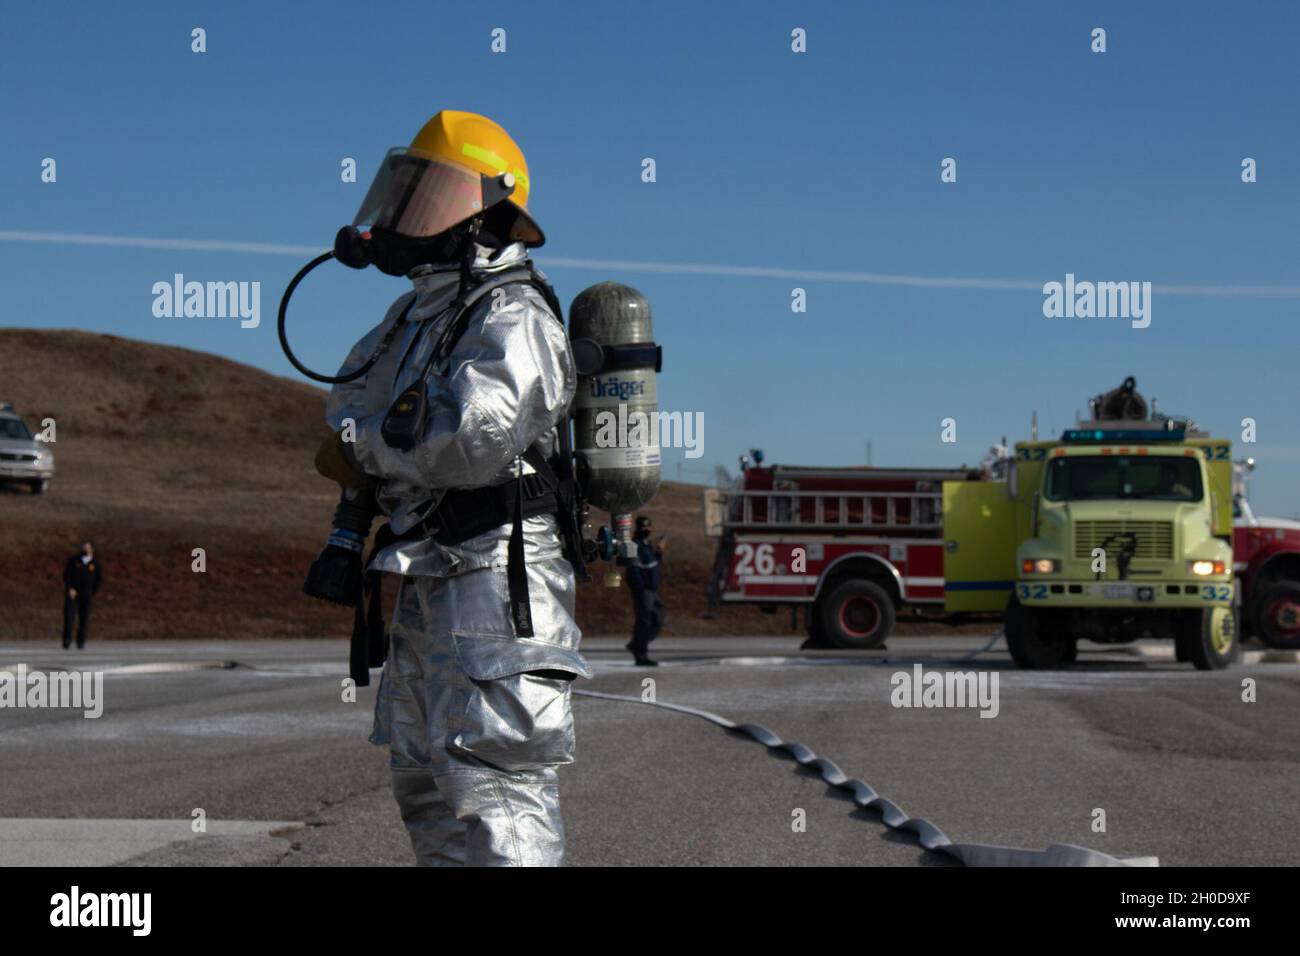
{"x": 162, "y": 450}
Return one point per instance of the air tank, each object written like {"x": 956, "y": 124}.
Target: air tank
{"x": 615, "y": 426}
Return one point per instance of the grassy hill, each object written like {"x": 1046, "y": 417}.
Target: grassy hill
{"x": 162, "y": 450}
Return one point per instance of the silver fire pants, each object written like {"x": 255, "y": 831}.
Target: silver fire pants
{"x": 477, "y": 719}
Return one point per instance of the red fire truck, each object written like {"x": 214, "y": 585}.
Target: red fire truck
{"x": 1266, "y": 556}
{"x": 854, "y": 546}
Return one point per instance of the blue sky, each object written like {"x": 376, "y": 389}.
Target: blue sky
{"x": 1118, "y": 166}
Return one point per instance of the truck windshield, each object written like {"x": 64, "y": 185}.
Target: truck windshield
{"x": 14, "y": 428}
{"x": 1150, "y": 477}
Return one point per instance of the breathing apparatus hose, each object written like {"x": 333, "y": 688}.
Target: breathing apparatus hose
{"x": 284, "y": 338}
{"x": 466, "y": 284}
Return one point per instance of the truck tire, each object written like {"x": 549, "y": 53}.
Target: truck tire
{"x": 857, "y": 615}
{"x": 1031, "y": 646}
{"x": 1208, "y": 638}
{"x": 816, "y": 640}
{"x": 39, "y": 485}
{"x": 1277, "y": 615}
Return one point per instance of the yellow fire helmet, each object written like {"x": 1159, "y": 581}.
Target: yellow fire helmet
{"x": 458, "y": 166}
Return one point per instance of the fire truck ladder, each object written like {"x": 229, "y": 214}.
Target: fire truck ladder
{"x": 882, "y": 511}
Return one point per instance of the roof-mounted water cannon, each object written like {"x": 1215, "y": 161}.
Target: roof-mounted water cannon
{"x": 1126, "y": 404}
{"x": 1120, "y": 404}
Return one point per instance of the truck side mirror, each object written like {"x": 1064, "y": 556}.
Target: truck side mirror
{"x": 1013, "y": 481}
{"x": 1033, "y": 515}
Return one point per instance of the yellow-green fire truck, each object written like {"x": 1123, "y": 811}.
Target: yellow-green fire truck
{"x": 1120, "y": 530}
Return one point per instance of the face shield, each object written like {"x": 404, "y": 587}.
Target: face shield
{"x": 417, "y": 196}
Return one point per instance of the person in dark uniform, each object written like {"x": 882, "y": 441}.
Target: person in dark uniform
{"x": 643, "y": 578}
{"x": 81, "y": 578}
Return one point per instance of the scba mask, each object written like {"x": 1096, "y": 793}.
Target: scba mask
{"x": 419, "y": 210}
{"x": 395, "y": 254}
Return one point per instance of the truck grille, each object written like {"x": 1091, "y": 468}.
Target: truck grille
{"x": 1155, "y": 539}
{"x": 10, "y": 456}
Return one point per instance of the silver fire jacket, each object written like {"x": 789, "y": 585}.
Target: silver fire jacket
{"x": 508, "y": 382}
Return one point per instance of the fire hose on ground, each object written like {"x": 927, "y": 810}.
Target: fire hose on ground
{"x": 927, "y": 835}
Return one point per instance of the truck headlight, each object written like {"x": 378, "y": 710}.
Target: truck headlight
{"x": 1039, "y": 565}
{"x": 1204, "y": 569}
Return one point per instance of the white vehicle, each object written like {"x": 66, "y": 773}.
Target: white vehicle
{"x": 22, "y": 457}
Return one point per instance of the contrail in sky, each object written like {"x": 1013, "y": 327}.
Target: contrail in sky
{"x": 664, "y": 268}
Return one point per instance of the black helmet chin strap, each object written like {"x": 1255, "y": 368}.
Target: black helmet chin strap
{"x": 467, "y": 257}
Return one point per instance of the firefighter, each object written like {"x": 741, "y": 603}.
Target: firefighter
{"x": 643, "y": 580}
{"x": 476, "y": 714}
{"x": 81, "y": 579}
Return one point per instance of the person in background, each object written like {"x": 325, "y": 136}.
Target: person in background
{"x": 81, "y": 579}
{"x": 644, "y": 578}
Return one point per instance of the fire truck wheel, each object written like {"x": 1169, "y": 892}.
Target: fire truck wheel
{"x": 1208, "y": 638}
{"x": 1277, "y": 615}
{"x": 1071, "y": 650}
{"x": 1031, "y": 644}
{"x": 857, "y": 614}
{"x": 817, "y": 640}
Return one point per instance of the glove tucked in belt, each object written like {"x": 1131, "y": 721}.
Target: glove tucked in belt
{"x": 334, "y": 460}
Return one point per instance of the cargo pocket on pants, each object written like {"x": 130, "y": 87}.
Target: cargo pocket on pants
{"x": 516, "y": 714}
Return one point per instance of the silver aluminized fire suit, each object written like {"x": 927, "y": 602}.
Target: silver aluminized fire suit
{"x": 475, "y": 717}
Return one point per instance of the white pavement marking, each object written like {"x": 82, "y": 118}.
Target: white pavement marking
{"x": 1271, "y": 656}
{"x": 55, "y": 842}
{"x": 162, "y": 667}
{"x": 169, "y": 667}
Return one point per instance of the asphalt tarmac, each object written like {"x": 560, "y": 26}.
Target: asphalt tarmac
{"x": 247, "y": 753}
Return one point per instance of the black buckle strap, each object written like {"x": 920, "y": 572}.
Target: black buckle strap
{"x": 534, "y": 486}
{"x": 633, "y": 355}
{"x": 369, "y": 645}
{"x": 462, "y": 515}
{"x": 521, "y": 611}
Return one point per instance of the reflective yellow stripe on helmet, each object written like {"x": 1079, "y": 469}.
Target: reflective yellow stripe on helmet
{"x": 492, "y": 159}
{"x": 483, "y": 156}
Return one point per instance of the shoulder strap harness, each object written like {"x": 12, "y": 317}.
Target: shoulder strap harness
{"x": 551, "y": 488}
